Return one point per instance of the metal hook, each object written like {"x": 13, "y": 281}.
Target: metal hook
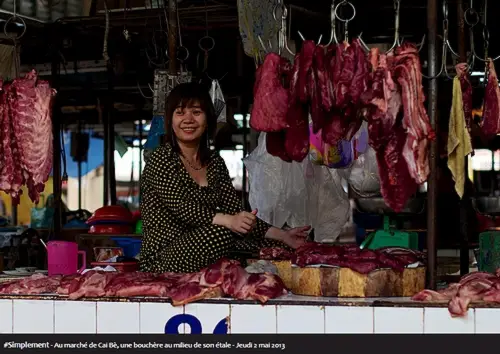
{"x": 486, "y": 34}
{"x": 397, "y": 6}
{"x": 20, "y": 21}
{"x": 282, "y": 33}
{"x": 333, "y": 31}
{"x": 209, "y": 48}
{"x": 13, "y": 18}
{"x": 345, "y": 20}
{"x": 185, "y": 57}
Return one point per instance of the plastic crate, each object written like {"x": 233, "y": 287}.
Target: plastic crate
{"x": 131, "y": 246}
{"x": 489, "y": 251}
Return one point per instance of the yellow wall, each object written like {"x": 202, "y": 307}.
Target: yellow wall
{"x": 24, "y": 208}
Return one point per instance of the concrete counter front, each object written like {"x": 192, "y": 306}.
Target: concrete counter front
{"x": 289, "y": 314}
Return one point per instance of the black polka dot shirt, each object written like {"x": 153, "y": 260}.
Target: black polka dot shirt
{"x": 177, "y": 214}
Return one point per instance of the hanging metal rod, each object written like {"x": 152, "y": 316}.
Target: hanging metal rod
{"x": 27, "y": 18}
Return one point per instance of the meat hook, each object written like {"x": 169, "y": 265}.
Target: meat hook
{"x": 486, "y": 33}
{"x": 333, "y": 31}
{"x": 398, "y": 40}
{"x": 397, "y": 6}
{"x": 13, "y": 18}
{"x": 445, "y": 48}
{"x": 345, "y": 20}
{"x": 282, "y": 32}
{"x": 471, "y": 25}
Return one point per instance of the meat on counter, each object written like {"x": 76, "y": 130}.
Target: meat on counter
{"x": 226, "y": 277}
{"x": 475, "y": 286}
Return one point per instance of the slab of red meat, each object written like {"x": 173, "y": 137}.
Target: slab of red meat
{"x": 261, "y": 287}
{"x": 359, "y": 82}
{"x": 472, "y": 291}
{"x": 491, "y": 113}
{"x": 275, "y": 145}
{"x": 34, "y": 285}
{"x": 321, "y": 66}
{"x": 64, "y": 285}
{"x": 31, "y": 108}
{"x": 316, "y": 89}
{"x": 90, "y": 285}
{"x": 274, "y": 253}
{"x": 396, "y": 184}
{"x": 463, "y": 75}
{"x": 8, "y": 165}
{"x": 362, "y": 267}
{"x": 387, "y": 135}
{"x": 233, "y": 279}
{"x": 213, "y": 275}
{"x": 305, "y": 68}
{"x": 343, "y": 85}
{"x": 271, "y": 99}
{"x": 186, "y": 293}
{"x": 135, "y": 284}
{"x": 476, "y": 286}
{"x": 297, "y": 134}
{"x": 407, "y": 72}
{"x": 348, "y": 256}
{"x": 442, "y": 295}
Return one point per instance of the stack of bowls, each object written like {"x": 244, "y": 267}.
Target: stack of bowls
{"x": 111, "y": 220}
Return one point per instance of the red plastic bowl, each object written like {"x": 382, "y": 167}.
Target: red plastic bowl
{"x": 110, "y": 229}
{"x": 111, "y": 212}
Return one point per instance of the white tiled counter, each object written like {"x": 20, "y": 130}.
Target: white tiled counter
{"x": 290, "y": 314}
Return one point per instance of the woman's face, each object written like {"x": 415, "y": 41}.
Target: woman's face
{"x": 189, "y": 123}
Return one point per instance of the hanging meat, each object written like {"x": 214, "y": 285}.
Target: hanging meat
{"x": 462, "y": 70}
{"x": 491, "y": 113}
{"x": 387, "y": 134}
{"x": 271, "y": 99}
{"x": 407, "y": 72}
{"x": 339, "y": 86}
{"x": 26, "y": 133}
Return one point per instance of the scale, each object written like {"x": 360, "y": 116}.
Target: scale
{"x": 389, "y": 235}
{"x": 488, "y": 257}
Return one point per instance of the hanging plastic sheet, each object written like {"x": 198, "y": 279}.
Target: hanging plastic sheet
{"x": 218, "y": 101}
{"x": 296, "y": 193}
{"x": 256, "y": 20}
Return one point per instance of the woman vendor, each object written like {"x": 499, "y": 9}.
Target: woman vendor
{"x": 191, "y": 214}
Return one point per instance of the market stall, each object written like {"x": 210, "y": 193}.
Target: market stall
{"x": 320, "y": 288}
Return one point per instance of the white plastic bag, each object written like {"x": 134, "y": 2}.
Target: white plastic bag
{"x": 297, "y": 194}
{"x": 364, "y": 178}
{"x": 266, "y": 184}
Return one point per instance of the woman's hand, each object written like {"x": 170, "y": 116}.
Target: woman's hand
{"x": 241, "y": 223}
{"x": 295, "y": 237}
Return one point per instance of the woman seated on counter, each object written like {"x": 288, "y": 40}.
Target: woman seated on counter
{"x": 191, "y": 214}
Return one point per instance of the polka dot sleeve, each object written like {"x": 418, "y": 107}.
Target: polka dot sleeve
{"x": 230, "y": 201}
{"x": 162, "y": 175}
{"x": 232, "y": 204}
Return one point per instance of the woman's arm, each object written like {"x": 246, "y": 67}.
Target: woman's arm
{"x": 232, "y": 204}
{"x": 161, "y": 174}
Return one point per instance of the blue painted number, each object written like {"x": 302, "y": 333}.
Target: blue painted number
{"x": 172, "y": 326}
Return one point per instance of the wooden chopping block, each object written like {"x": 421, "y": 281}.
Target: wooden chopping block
{"x": 344, "y": 282}
{"x": 284, "y": 270}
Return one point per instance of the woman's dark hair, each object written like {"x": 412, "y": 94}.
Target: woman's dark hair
{"x": 186, "y": 95}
